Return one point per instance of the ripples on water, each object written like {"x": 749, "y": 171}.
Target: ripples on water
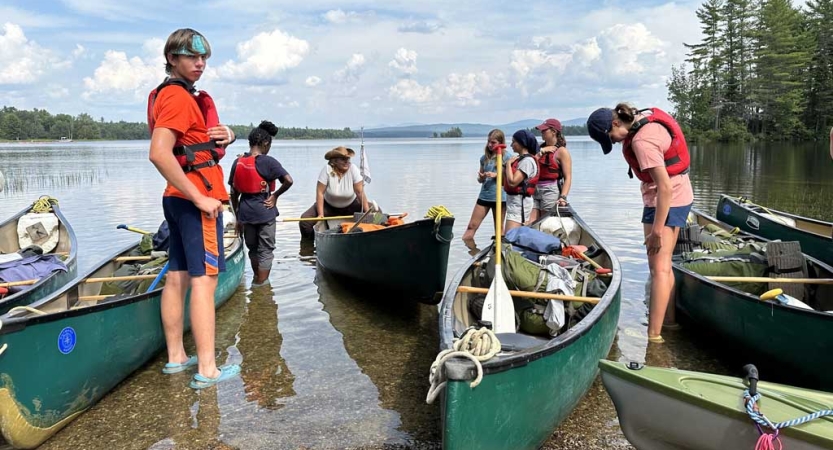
{"x": 323, "y": 367}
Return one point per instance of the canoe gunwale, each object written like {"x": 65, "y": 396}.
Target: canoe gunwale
{"x": 759, "y": 214}
{"x": 333, "y": 234}
{"x": 524, "y": 357}
{"x": 70, "y": 262}
{"x": 16, "y": 323}
{"x": 745, "y": 295}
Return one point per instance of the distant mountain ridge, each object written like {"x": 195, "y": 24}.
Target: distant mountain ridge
{"x": 468, "y": 129}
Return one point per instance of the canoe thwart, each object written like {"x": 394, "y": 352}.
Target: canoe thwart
{"x": 540, "y": 295}
{"x": 124, "y": 278}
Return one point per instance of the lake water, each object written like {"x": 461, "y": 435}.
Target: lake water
{"x": 320, "y": 367}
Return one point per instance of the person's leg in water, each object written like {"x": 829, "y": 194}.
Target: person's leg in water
{"x": 250, "y": 237}
{"x": 265, "y": 252}
{"x": 661, "y": 306}
{"x": 477, "y": 215}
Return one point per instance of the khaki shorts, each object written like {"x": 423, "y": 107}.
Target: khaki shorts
{"x": 546, "y": 197}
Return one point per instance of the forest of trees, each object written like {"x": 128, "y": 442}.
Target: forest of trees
{"x": 453, "y": 132}
{"x": 764, "y": 69}
{"x": 39, "y": 124}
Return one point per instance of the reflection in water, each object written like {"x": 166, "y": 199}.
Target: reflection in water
{"x": 152, "y": 410}
{"x": 265, "y": 375}
{"x": 791, "y": 177}
{"x": 393, "y": 342}
{"x": 354, "y": 374}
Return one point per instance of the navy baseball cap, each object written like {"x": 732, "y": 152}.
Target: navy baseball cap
{"x": 598, "y": 125}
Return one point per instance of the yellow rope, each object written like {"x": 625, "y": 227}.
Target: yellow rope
{"x": 438, "y": 212}
{"x": 44, "y": 204}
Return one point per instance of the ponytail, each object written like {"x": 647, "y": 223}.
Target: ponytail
{"x": 625, "y": 113}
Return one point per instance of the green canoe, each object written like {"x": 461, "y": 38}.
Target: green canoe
{"x": 68, "y": 350}
{"x": 815, "y": 236}
{"x": 534, "y": 383}
{"x": 66, "y": 247}
{"x": 669, "y": 409}
{"x": 406, "y": 261}
{"x": 790, "y": 339}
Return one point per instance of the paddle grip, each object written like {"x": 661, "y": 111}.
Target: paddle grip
{"x": 752, "y": 377}
{"x": 499, "y": 148}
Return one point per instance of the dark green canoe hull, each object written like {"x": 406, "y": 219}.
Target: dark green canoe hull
{"x": 67, "y": 242}
{"x": 58, "y": 365}
{"x": 734, "y": 213}
{"x": 783, "y": 338}
{"x": 407, "y": 260}
{"x": 523, "y": 397}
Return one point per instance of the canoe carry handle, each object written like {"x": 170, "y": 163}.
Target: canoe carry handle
{"x": 752, "y": 377}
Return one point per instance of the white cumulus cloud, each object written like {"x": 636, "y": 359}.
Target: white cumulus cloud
{"x": 466, "y": 89}
{"x": 404, "y": 61}
{"x": 337, "y": 16}
{"x": 624, "y": 55}
{"x": 410, "y": 91}
{"x": 265, "y": 58}
{"x": 23, "y": 61}
{"x": 352, "y": 70}
{"x": 121, "y": 78}
{"x": 312, "y": 81}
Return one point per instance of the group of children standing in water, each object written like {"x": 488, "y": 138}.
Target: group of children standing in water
{"x": 536, "y": 180}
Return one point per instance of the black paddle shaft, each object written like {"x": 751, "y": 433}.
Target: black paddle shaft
{"x": 752, "y": 377}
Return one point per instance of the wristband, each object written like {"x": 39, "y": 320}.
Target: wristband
{"x": 562, "y": 197}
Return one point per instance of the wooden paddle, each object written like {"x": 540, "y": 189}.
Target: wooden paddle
{"x": 541, "y": 295}
{"x": 770, "y": 280}
{"x": 498, "y": 304}
{"x": 315, "y": 219}
{"x": 19, "y": 283}
{"x": 122, "y": 226}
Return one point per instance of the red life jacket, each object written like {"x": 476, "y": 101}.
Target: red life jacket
{"x": 548, "y": 167}
{"x": 677, "y": 159}
{"x": 526, "y": 187}
{"x": 186, "y": 154}
{"x": 246, "y": 178}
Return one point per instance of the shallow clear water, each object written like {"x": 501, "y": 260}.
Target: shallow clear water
{"x": 322, "y": 367}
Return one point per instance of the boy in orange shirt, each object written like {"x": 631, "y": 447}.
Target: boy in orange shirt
{"x": 185, "y": 150}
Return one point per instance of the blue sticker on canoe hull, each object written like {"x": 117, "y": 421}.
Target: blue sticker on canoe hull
{"x": 66, "y": 340}
{"x": 727, "y": 209}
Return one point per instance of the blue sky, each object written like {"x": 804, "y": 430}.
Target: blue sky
{"x": 337, "y": 64}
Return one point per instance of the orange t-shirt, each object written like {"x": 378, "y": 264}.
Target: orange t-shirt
{"x": 175, "y": 110}
{"x": 649, "y": 146}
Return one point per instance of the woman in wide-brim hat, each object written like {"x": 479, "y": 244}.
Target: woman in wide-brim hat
{"x": 339, "y": 192}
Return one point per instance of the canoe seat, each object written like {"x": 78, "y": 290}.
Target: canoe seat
{"x": 514, "y": 342}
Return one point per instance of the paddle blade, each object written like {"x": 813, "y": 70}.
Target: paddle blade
{"x": 498, "y": 306}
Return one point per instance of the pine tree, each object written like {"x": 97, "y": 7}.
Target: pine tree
{"x": 819, "y": 114}
{"x": 736, "y": 39}
{"x": 706, "y": 57}
{"x": 781, "y": 62}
